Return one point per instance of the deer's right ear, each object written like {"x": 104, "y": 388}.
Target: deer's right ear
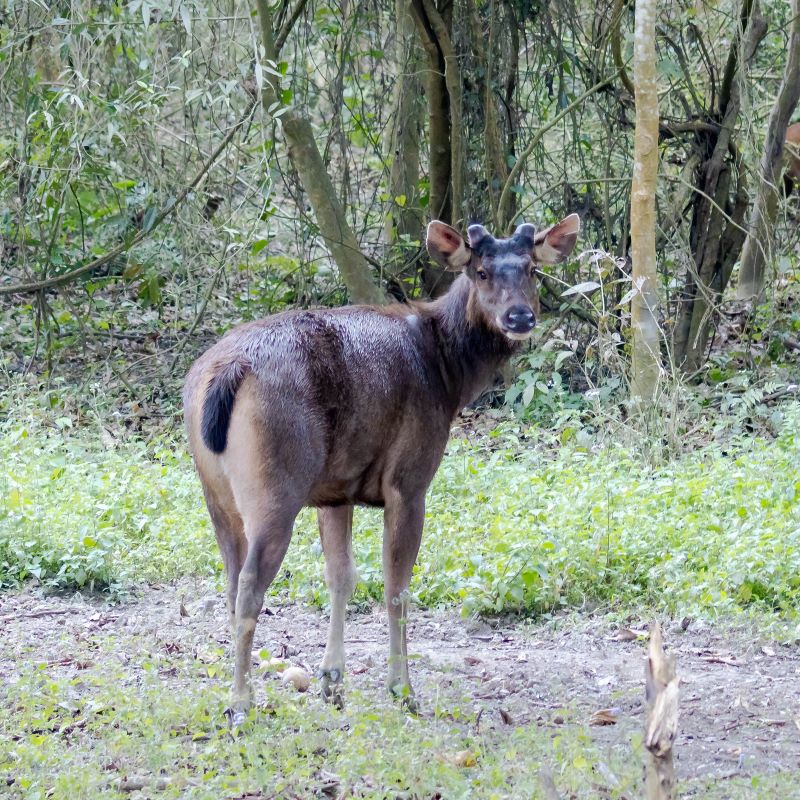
{"x": 447, "y": 246}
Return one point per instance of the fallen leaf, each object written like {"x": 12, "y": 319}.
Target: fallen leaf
{"x": 767, "y": 651}
{"x": 464, "y": 758}
{"x": 605, "y": 716}
{"x": 740, "y": 702}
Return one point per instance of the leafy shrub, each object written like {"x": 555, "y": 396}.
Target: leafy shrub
{"x": 508, "y": 529}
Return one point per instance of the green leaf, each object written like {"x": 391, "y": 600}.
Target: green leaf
{"x": 149, "y": 219}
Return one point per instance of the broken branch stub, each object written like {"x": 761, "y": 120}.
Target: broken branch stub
{"x": 661, "y": 724}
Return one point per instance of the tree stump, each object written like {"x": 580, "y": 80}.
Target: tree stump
{"x": 661, "y": 694}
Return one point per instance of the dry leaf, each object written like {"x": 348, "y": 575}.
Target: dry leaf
{"x": 605, "y": 716}
{"x": 768, "y": 651}
{"x": 464, "y": 758}
{"x": 740, "y": 702}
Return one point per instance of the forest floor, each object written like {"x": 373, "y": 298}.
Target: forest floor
{"x": 529, "y": 690}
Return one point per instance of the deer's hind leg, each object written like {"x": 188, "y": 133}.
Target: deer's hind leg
{"x": 270, "y": 484}
{"x": 229, "y": 530}
{"x": 336, "y": 532}
{"x": 268, "y": 527}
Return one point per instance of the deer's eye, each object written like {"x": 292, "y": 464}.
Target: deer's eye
{"x": 482, "y": 274}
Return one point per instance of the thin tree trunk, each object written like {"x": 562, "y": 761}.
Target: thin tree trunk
{"x": 646, "y": 349}
{"x": 762, "y": 221}
{"x": 404, "y": 218}
{"x": 716, "y": 235}
{"x": 306, "y": 159}
{"x": 439, "y": 166}
{"x": 495, "y": 165}
{"x": 452, "y": 77}
{"x": 441, "y": 136}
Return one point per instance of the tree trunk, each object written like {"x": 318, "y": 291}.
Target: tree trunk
{"x": 646, "y": 347}
{"x": 404, "y": 219}
{"x": 306, "y": 159}
{"x": 717, "y": 220}
{"x": 439, "y": 168}
{"x": 442, "y": 140}
{"x": 494, "y": 156}
{"x": 762, "y": 222}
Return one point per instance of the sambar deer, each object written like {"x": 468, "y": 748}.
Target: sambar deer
{"x": 352, "y": 406}
{"x": 791, "y": 158}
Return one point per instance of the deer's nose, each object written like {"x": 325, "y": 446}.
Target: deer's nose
{"x": 519, "y": 319}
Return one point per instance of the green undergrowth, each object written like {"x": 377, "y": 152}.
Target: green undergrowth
{"x": 509, "y": 528}
{"x": 158, "y": 724}
{"x": 94, "y": 740}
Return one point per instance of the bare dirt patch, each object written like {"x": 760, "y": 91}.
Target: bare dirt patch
{"x": 740, "y": 705}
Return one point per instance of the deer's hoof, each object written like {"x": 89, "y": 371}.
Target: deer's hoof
{"x": 404, "y": 694}
{"x": 236, "y": 717}
{"x": 332, "y": 683}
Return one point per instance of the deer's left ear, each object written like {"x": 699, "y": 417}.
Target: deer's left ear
{"x": 555, "y": 244}
{"x": 447, "y": 246}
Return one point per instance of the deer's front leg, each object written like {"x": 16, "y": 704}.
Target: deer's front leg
{"x": 402, "y": 533}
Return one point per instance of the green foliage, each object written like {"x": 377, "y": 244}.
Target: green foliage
{"x": 66, "y": 746}
{"x": 97, "y": 731}
{"x": 509, "y": 527}
{"x": 540, "y": 392}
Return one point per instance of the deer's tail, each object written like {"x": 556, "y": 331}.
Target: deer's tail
{"x": 218, "y": 406}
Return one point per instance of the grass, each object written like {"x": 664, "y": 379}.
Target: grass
{"x": 96, "y": 726}
{"x": 98, "y": 732}
{"x": 509, "y": 528}
{"x": 70, "y": 749}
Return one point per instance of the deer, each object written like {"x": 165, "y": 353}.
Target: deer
{"x": 791, "y": 158}
{"x": 334, "y": 408}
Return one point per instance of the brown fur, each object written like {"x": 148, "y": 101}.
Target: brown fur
{"x": 791, "y": 158}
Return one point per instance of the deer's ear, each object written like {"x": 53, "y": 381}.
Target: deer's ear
{"x": 555, "y": 244}
{"x": 447, "y": 246}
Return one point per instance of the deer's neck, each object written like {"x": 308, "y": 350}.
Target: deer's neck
{"x": 472, "y": 351}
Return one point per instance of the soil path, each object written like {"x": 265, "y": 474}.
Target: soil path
{"x": 740, "y": 705}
